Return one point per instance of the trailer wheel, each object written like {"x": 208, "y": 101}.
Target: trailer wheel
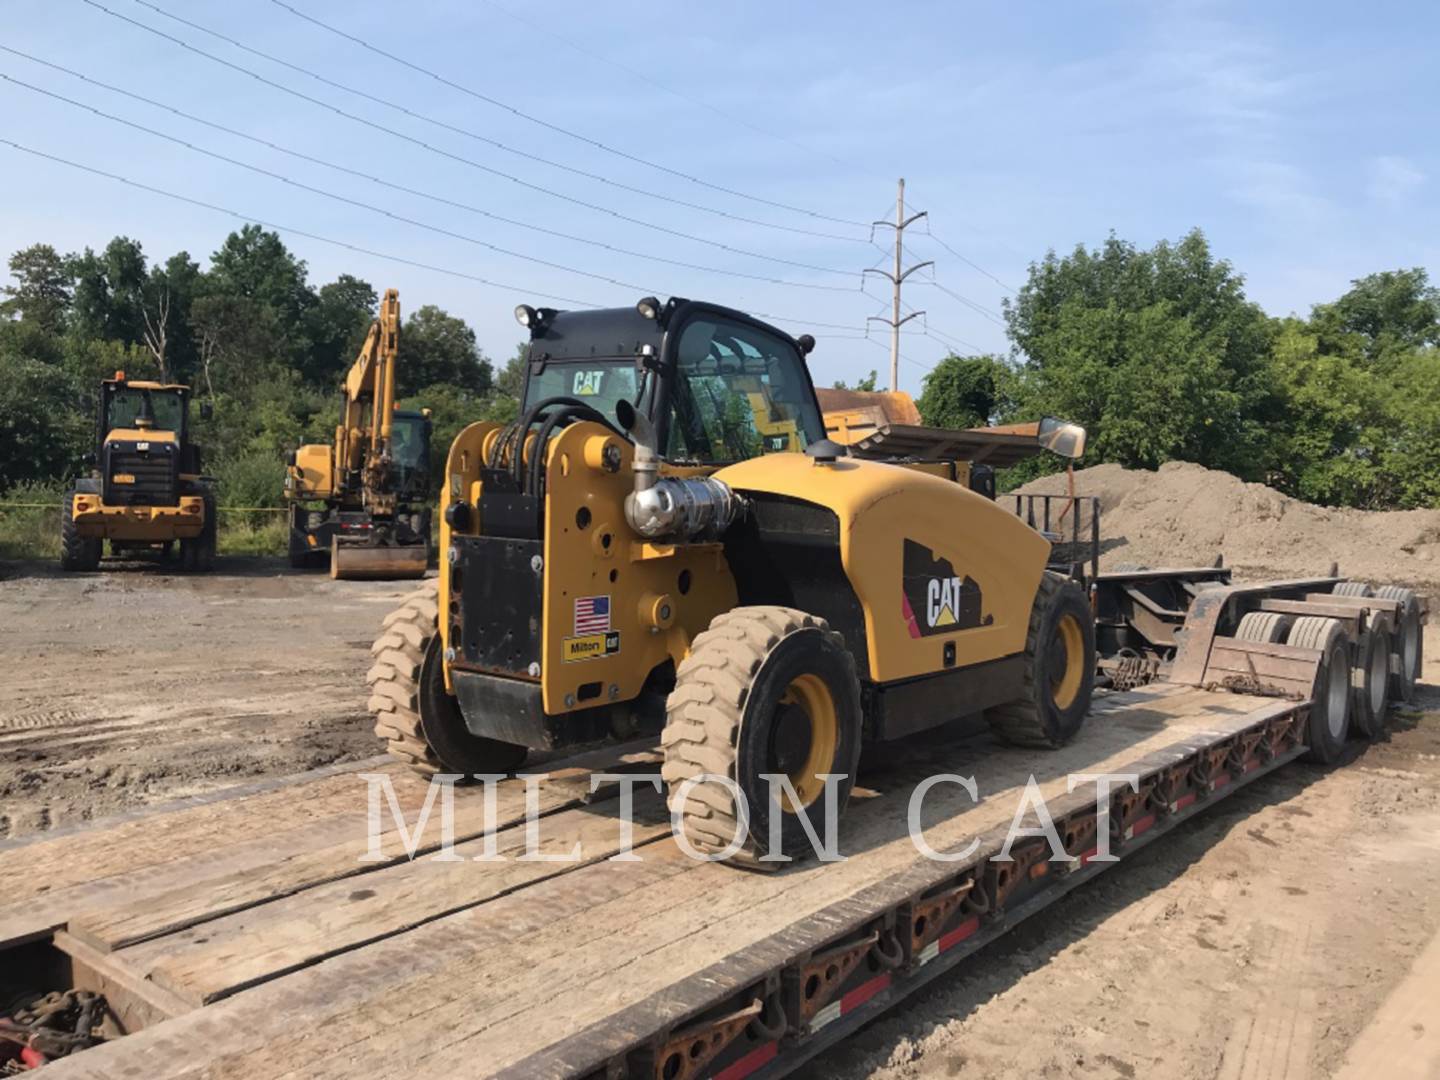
{"x": 1354, "y": 588}
{"x": 1408, "y": 645}
{"x": 1370, "y": 684}
{"x": 765, "y": 690}
{"x": 1059, "y": 669}
{"x": 1330, "y": 711}
{"x": 420, "y": 723}
{"x": 76, "y": 552}
{"x": 1267, "y": 626}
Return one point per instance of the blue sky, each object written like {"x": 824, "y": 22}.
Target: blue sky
{"x": 1300, "y": 137}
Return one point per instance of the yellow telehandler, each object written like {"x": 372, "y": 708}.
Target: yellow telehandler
{"x": 363, "y": 503}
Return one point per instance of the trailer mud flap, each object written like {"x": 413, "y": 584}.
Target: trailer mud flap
{"x": 1263, "y": 668}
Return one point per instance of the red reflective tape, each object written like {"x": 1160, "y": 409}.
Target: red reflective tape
{"x": 1142, "y": 825}
{"x": 1252, "y": 764}
{"x": 1085, "y": 859}
{"x": 863, "y": 993}
{"x": 960, "y": 933}
{"x": 1184, "y": 800}
{"x": 1221, "y": 779}
{"x": 761, "y": 1055}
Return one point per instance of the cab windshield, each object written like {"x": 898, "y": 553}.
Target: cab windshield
{"x": 739, "y": 392}
{"x": 600, "y": 383}
{"x": 407, "y": 442}
{"x": 127, "y": 405}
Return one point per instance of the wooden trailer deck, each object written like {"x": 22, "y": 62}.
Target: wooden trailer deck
{"x": 244, "y": 936}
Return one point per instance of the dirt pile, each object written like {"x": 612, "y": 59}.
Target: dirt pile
{"x": 1185, "y": 515}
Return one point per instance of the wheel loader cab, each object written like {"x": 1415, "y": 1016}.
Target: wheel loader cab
{"x": 665, "y": 541}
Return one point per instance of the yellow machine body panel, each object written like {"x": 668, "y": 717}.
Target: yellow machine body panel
{"x": 94, "y": 519}
{"x": 312, "y": 475}
{"x": 932, "y": 563}
{"x": 655, "y": 597}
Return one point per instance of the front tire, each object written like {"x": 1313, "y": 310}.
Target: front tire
{"x": 420, "y": 723}
{"x": 1059, "y": 669}
{"x": 77, "y": 553}
{"x": 765, "y": 690}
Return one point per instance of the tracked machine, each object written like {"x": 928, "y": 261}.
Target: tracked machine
{"x": 362, "y": 504}
{"x": 145, "y": 494}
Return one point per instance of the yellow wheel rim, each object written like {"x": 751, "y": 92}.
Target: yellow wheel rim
{"x": 813, "y": 697}
{"x": 1071, "y": 645}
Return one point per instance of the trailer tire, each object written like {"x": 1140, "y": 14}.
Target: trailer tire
{"x": 1266, "y": 626}
{"x": 1354, "y": 588}
{"x": 1329, "y": 723}
{"x": 1408, "y": 644}
{"x": 1370, "y": 684}
{"x": 420, "y": 723}
{"x": 76, "y": 552}
{"x": 764, "y": 690}
{"x": 1059, "y": 669}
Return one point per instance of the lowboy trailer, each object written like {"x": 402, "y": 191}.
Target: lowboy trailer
{"x": 265, "y": 931}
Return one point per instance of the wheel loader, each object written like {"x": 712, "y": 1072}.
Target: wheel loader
{"x": 362, "y": 504}
{"x": 145, "y": 493}
{"x": 666, "y": 541}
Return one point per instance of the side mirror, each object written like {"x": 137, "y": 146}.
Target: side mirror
{"x": 625, "y": 414}
{"x": 90, "y": 460}
{"x": 207, "y": 410}
{"x": 806, "y": 343}
{"x": 1061, "y": 437}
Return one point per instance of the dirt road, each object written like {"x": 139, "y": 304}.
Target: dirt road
{"x": 134, "y": 686}
{"x": 1279, "y": 935}
{"x": 1282, "y": 936}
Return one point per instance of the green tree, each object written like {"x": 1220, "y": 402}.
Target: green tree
{"x": 44, "y": 424}
{"x": 343, "y": 311}
{"x": 963, "y": 391}
{"x": 866, "y": 384}
{"x": 109, "y": 299}
{"x": 437, "y": 348}
{"x": 1157, "y": 352}
{"x": 253, "y": 266}
{"x": 1387, "y": 314}
{"x": 41, "y": 293}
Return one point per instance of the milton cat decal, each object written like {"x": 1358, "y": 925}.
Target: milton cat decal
{"x": 938, "y": 600}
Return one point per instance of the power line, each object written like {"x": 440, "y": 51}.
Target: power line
{"x": 455, "y": 129}
{"x": 367, "y": 207}
{"x": 968, "y": 262}
{"x": 355, "y": 172}
{"x": 978, "y": 308}
{"x": 545, "y": 123}
{"x": 461, "y": 159}
{"x": 253, "y": 220}
{"x": 448, "y": 271}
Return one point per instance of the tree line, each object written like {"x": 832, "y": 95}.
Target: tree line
{"x": 1163, "y": 357}
{"x": 1157, "y": 351}
{"x": 249, "y": 332}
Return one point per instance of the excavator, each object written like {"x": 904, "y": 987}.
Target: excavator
{"x": 363, "y": 503}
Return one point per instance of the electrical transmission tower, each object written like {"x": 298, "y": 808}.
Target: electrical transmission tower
{"x": 896, "y": 279}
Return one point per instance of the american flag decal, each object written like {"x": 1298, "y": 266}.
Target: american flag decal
{"x": 592, "y": 614}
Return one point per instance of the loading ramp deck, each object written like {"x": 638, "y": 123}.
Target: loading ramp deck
{"x": 242, "y": 935}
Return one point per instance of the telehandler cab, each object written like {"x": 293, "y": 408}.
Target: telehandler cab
{"x": 665, "y": 540}
{"x": 145, "y": 492}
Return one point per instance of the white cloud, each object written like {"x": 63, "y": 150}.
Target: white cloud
{"x": 1392, "y": 178}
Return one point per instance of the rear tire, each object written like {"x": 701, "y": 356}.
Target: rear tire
{"x": 1407, "y": 645}
{"x": 299, "y": 553}
{"x": 1270, "y": 627}
{"x": 1370, "y": 685}
{"x": 421, "y": 723}
{"x": 77, "y": 553}
{"x": 1059, "y": 669}
{"x": 764, "y": 690}
{"x": 205, "y": 543}
{"x": 1354, "y": 588}
{"x": 1329, "y": 724}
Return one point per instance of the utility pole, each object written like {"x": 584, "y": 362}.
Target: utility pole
{"x": 900, "y": 224}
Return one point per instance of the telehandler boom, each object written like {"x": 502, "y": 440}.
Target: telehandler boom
{"x": 362, "y": 503}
